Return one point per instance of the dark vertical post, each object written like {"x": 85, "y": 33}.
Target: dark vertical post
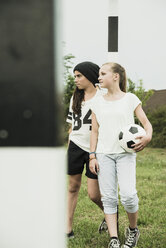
{"x": 29, "y": 97}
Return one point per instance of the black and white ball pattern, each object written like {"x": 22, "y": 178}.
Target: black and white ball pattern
{"x": 128, "y": 135}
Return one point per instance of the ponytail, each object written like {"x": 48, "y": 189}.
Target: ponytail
{"x": 123, "y": 81}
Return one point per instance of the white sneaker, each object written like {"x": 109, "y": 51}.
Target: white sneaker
{"x": 103, "y": 226}
{"x": 114, "y": 243}
{"x": 131, "y": 238}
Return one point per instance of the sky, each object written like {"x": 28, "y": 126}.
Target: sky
{"x": 141, "y": 30}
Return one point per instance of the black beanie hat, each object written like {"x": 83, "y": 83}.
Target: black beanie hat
{"x": 89, "y": 70}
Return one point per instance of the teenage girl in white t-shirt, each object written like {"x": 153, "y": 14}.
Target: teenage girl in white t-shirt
{"x": 79, "y": 116}
{"x": 113, "y": 165}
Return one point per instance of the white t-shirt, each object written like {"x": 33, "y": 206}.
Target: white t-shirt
{"x": 111, "y": 117}
{"x": 81, "y": 124}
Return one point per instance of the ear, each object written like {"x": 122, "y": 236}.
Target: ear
{"x": 116, "y": 76}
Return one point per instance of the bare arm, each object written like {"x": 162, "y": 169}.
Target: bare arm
{"x": 69, "y": 131}
{"x": 94, "y": 134}
{"x": 93, "y": 143}
{"x": 144, "y": 140}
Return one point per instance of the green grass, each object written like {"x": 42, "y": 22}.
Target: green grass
{"x": 151, "y": 187}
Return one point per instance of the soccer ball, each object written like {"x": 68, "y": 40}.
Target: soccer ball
{"x": 128, "y": 134}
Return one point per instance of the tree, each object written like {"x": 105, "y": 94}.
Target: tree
{"x": 139, "y": 91}
{"x": 68, "y": 81}
{"x": 157, "y": 118}
{"x": 68, "y": 89}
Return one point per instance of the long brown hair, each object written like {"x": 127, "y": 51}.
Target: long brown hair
{"x": 78, "y": 97}
{"x": 117, "y": 68}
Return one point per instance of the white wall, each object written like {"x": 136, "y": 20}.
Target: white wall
{"x": 142, "y": 39}
{"x": 85, "y": 30}
{"x": 32, "y": 197}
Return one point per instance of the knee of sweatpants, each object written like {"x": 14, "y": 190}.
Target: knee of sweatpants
{"x": 130, "y": 202}
{"x": 109, "y": 204}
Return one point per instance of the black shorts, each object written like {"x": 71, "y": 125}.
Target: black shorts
{"x": 77, "y": 158}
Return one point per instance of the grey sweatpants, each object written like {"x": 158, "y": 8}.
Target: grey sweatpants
{"x": 114, "y": 170}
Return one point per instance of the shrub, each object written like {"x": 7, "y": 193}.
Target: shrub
{"x": 157, "y": 118}
{"x": 68, "y": 89}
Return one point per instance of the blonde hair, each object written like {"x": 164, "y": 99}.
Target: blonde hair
{"x": 116, "y": 68}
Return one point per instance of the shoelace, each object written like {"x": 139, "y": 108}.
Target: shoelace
{"x": 115, "y": 243}
{"x": 130, "y": 238}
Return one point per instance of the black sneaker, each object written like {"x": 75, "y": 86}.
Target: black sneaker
{"x": 70, "y": 235}
{"x": 114, "y": 243}
{"x": 131, "y": 238}
{"x": 103, "y": 226}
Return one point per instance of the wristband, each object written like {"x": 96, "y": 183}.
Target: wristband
{"x": 92, "y": 153}
{"x": 91, "y": 158}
